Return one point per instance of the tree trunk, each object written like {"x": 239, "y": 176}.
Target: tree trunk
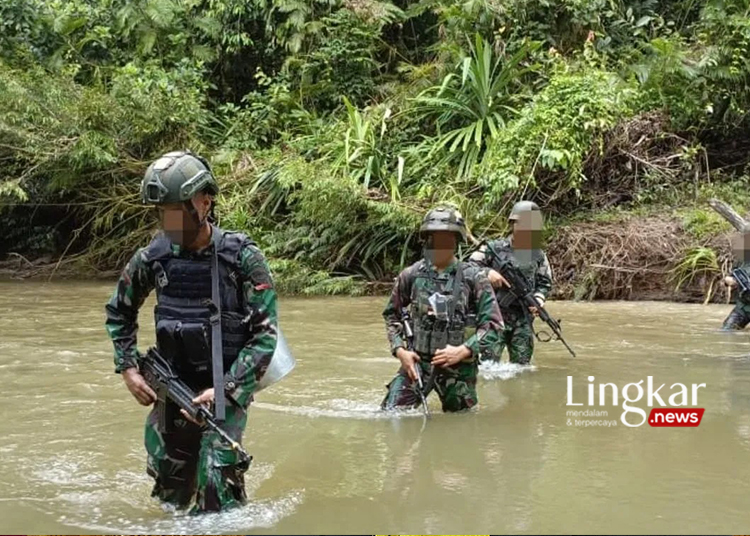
{"x": 729, "y": 214}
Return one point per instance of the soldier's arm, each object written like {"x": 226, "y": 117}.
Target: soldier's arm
{"x": 489, "y": 318}
{"x": 400, "y": 297}
{"x": 134, "y": 286}
{"x": 261, "y": 306}
{"x": 543, "y": 279}
{"x": 480, "y": 257}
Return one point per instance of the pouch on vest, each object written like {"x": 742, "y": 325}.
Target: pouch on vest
{"x": 421, "y": 339}
{"x": 235, "y": 334}
{"x": 438, "y": 339}
{"x": 186, "y": 344}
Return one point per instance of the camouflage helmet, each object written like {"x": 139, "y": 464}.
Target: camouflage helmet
{"x": 521, "y": 206}
{"x": 176, "y": 177}
{"x": 444, "y": 219}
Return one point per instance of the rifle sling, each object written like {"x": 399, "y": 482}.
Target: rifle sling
{"x": 217, "y": 359}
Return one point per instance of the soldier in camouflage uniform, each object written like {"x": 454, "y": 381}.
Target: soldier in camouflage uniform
{"x": 445, "y": 298}
{"x": 187, "y": 461}
{"x": 523, "y": 247}
{"x": 740, "y": 315}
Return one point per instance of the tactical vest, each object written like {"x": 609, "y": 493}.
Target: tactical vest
{"x": 529, "y": 267}
{"x": 184, "y": 308}
{"x": 435, "y": 331}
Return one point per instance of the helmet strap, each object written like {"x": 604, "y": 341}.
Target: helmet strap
{"x": 200, "y": 222}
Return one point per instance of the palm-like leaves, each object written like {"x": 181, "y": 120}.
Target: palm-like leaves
{"x": 363, "y": 156}
{"x": 469, "y": 113}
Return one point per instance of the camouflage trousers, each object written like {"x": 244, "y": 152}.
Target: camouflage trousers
{"x": 189, "y": 462}
{"x": 518, "y": 337}
{"x": 456, "y": 386}
{"x": 738, "y": 318}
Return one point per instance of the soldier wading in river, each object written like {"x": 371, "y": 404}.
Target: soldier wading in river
{"x": 443, "y": 297}
{"x": 186, "y": 460}
{"x": 523, "y": 247}
{"x": 739, "y": 317}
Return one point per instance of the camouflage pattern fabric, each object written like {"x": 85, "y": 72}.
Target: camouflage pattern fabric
{"x": 518, "y": 338}
{"x": 518, "y": 335}
{"x": 739, "y": 317}
{"x": 186, "y": 460}
{"x": 189, "y": 462}
{"x": 456, "y": 386}
{"x": 137, "y": 281}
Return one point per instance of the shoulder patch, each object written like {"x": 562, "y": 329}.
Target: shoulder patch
{"x": 255, "y": 266}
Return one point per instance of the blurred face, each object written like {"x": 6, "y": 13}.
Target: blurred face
{"x": 527, "y": 230}
{"x": 441, "y": 245}
{"x": 741, "y": 247}
{"x": 179, "y": 225}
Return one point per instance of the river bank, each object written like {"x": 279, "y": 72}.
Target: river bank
{"x": 631, "y": 257}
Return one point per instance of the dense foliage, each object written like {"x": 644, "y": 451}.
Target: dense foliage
{"x": 334, "y": 124}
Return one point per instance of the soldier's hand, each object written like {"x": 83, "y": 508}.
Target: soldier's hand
{"x": 497, "y": 280}
{"x": 408, "y": 360}
{"x": 535, "y": 310}
{"x": 138, "y": 387}
{"x": 730, "y": 281}
{"x": 206, "y": 397}
{"x": 451, "y": 355}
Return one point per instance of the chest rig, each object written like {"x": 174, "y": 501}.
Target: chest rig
{"x": 440, "y": 309}
{"x": 185, "y": 313}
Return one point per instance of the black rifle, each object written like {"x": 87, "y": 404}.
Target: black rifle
{"x": 406, "y": 322}
{"x": 522, "y": 290}
{"x": 743, "y": 280}
{"x": 161, "y": 377}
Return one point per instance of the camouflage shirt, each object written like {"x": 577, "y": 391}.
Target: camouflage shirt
{"x": 136, "y": 282}
{"x": 481, "y": 302}
{"x": 537, "y": 268}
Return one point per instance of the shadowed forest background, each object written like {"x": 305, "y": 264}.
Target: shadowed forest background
{"x": 333, "y": 125}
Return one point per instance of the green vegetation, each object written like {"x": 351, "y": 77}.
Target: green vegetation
{"x": 334, "y": 124}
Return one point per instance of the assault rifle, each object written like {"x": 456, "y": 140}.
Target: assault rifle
{"x": 161, "y": 377}
{"x": 406, "y": 322}
{"x": 522, "y": 290}
{"x": 743, "y": 280}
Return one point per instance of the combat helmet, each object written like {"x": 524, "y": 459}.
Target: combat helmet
{"x": 443, "y": 219}
{"x": 176, "y": 177}
{"x": 521, "y": 206}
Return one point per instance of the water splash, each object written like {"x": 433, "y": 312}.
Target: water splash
{"x": 370, "y": 360}
{"x": 121, "y": 503}
{"x": 342, "y": 409}
{"x": 493, "y": 370}
{"x": 254, "y": 515}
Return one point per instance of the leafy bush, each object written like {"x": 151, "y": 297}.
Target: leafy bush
{"x": 333, "y": 125}
{"x": 556, "y": 132}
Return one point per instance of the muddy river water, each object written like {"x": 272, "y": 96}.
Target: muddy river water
{"x": 328, "y": 461}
